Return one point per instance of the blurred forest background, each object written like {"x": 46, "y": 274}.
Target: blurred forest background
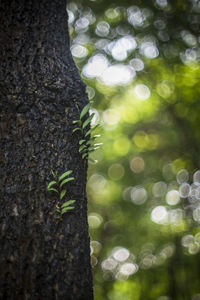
{"x": 140, "y": 62}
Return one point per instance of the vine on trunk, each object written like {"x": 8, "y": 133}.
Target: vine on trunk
{"x": 86, "y": 146}
{"x": 56, "y": 186}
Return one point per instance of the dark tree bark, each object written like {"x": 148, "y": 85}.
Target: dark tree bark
{"x": 42, "y": 256}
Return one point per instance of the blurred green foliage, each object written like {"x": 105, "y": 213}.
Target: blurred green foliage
{"x": 140, "y": 62}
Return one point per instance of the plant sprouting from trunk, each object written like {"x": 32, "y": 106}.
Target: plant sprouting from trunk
{"x": 86, "y": 146}
{"x": 56, "y": 186}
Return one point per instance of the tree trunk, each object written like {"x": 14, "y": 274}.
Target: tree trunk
{"x": 43, "y": 255}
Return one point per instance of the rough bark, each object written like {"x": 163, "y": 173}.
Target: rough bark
{"x": 42, "y": 256}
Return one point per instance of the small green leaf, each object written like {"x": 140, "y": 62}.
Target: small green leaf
{"x": 88, "y": 132}
{"x": 91, "y": 129}
{"x": 84, "y": 155}
{"x": 88, "y": 120}
{"x": 52, "y": 189}
{"x": 54, "y": 174}
{"x": 66, "y": 180}
{"x": 90, "y": 151}
{"x": 67, "y": 203}
{"x": 85, "y": 110}
{"x": 81, "y": 148}
{"x": 97, "y": 145}
{"x": 91, "y": 148}
{"x": 65, "y": 174}
{"x": 64, "y": 210}
{"x": 84, "y": 151}
{"x": 77, "y": 122}
{"x": 92, "y": 139}
{"x": 92, "y": 160}
{"x": 81, "y": 142}
{"x": 50, "y": 184}
{"x": 62, "y": 194}
{"x": 76, "y": 129}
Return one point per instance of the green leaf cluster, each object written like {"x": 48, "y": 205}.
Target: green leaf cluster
{"x": 56, "y": 185}
{"x": 86, "y": 146}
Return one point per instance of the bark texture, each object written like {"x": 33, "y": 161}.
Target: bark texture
{"x": 42, "y": 256}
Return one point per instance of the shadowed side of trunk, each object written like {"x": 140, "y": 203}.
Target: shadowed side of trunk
{"x": 43, "y": 255}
